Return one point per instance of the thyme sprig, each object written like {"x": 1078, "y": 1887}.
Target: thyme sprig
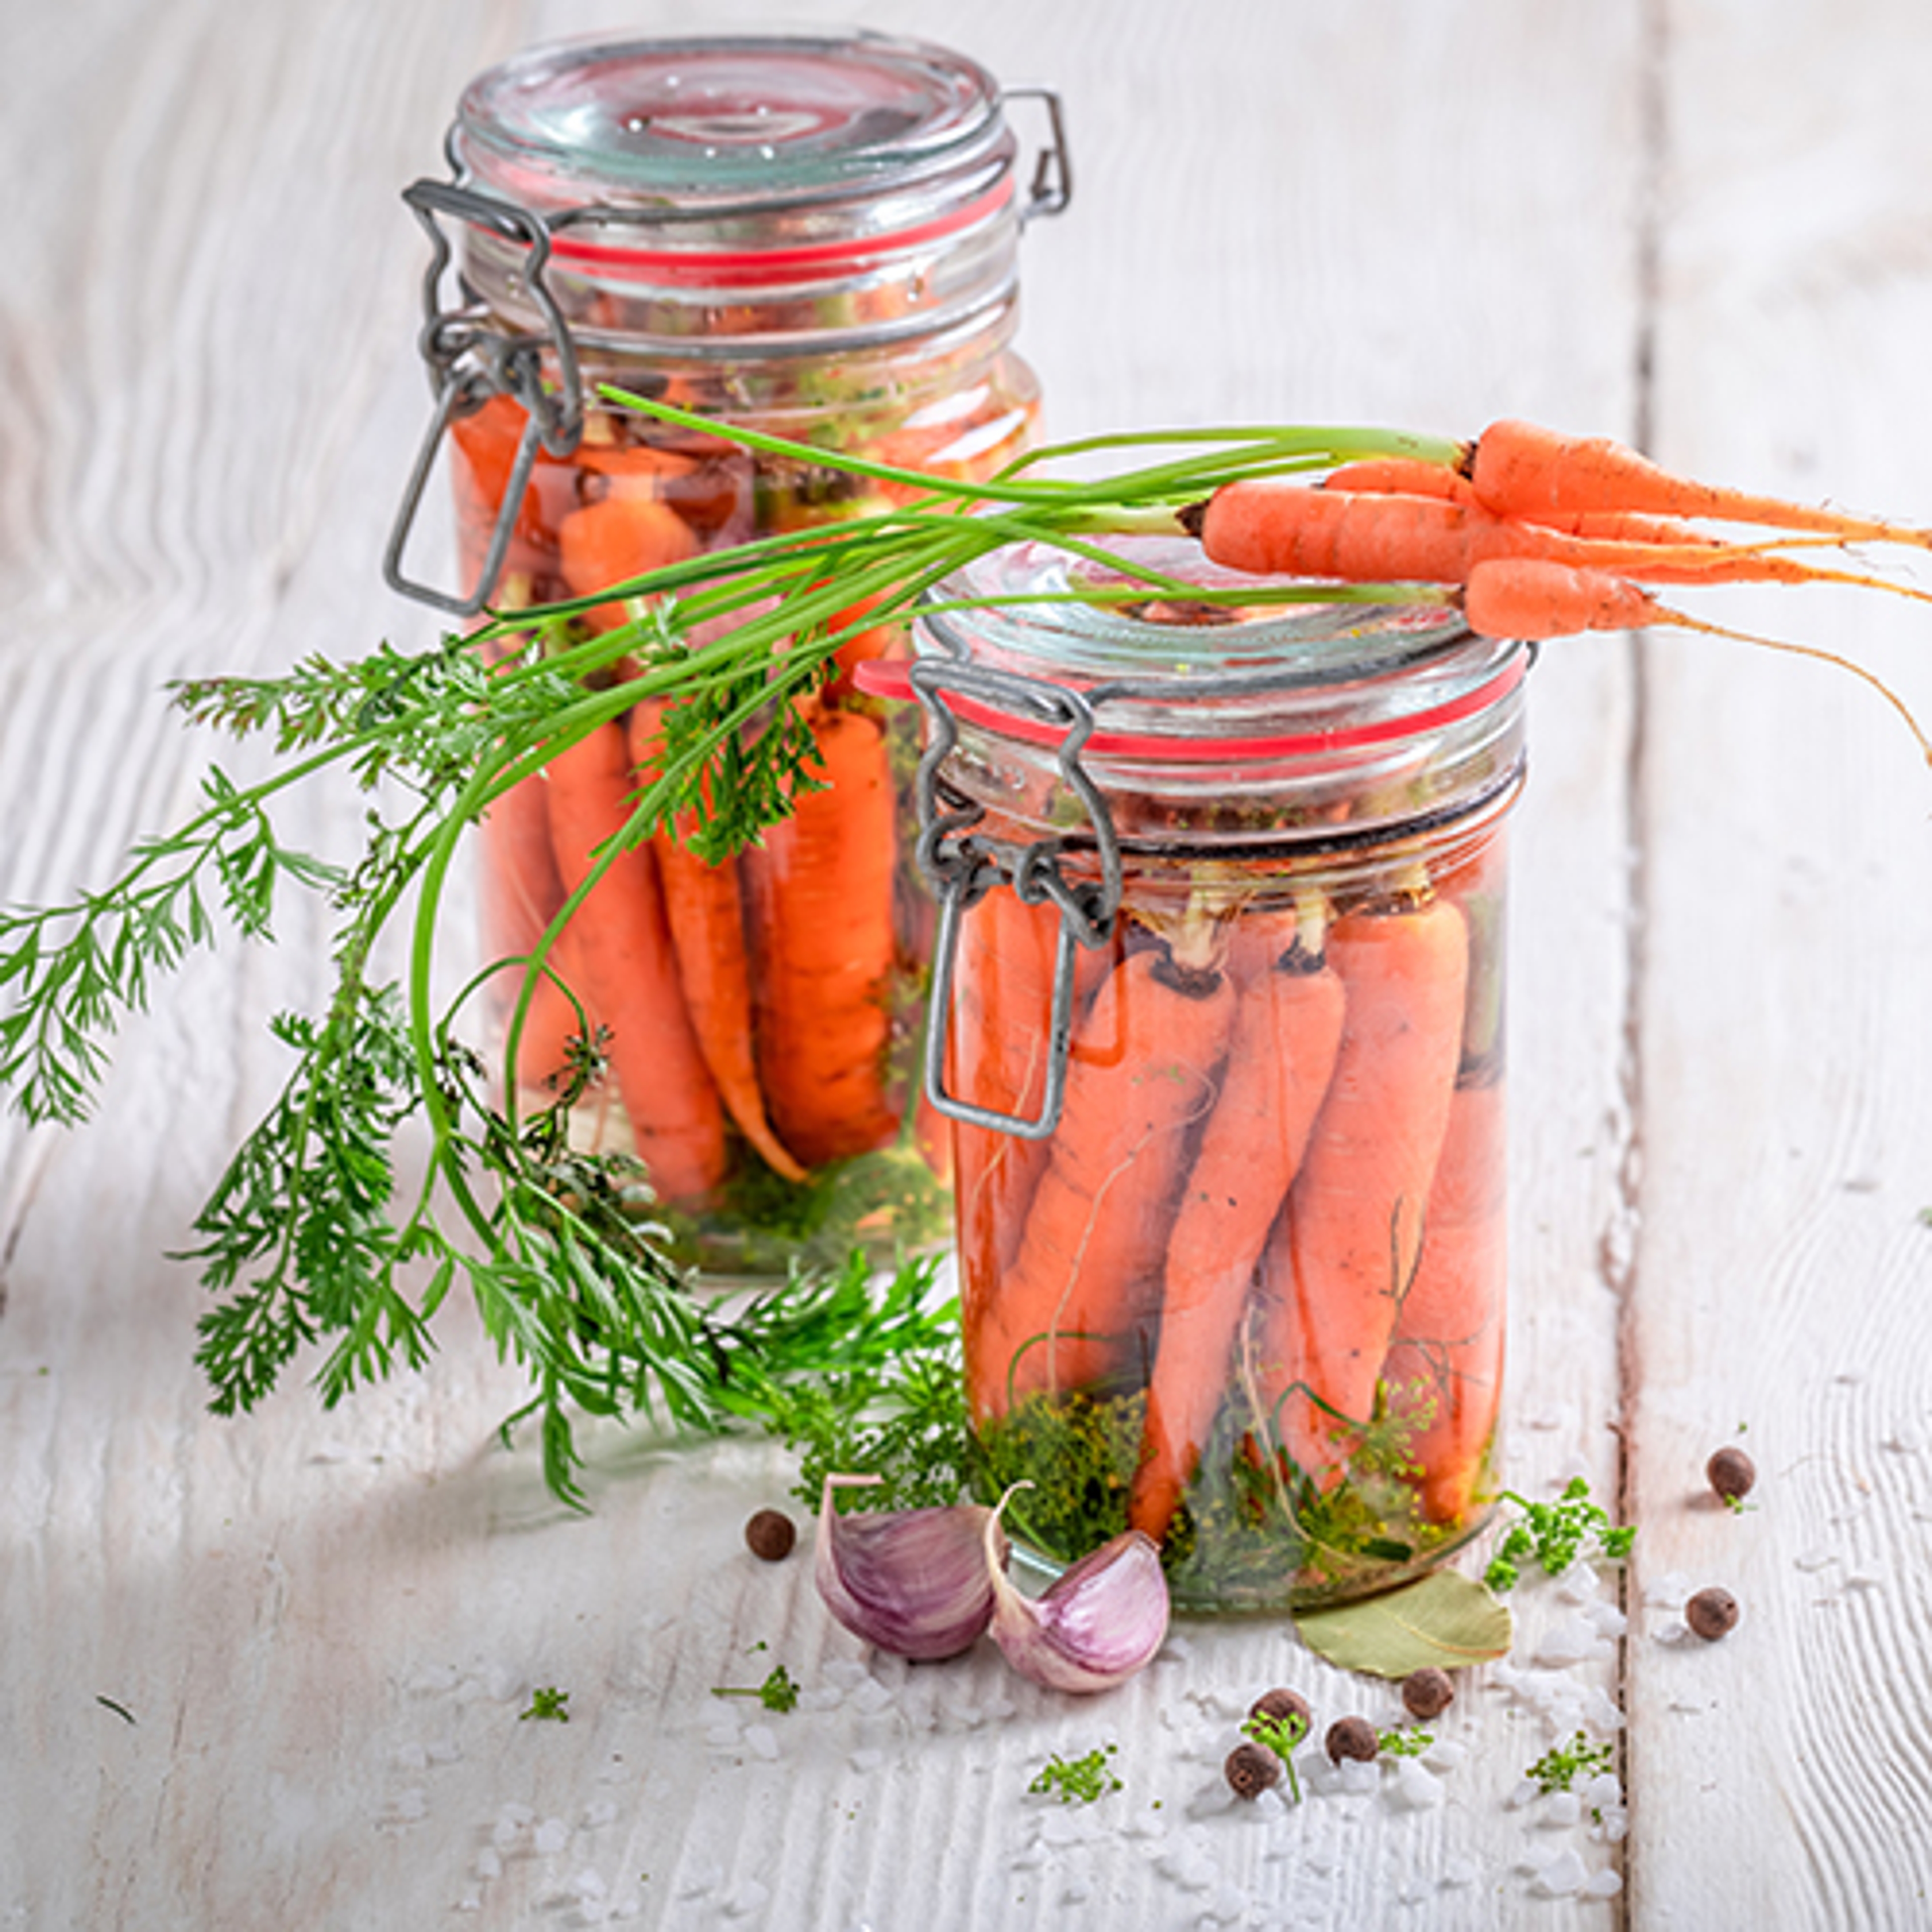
{"x": 385, "y": 1172}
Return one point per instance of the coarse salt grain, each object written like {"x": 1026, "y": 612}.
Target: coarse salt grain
{"x": 1076, "y": 1892}
{"x": 589, "y": 1883}
{"x": 871, "y": 1697}
{"x": 1606, "y": 1619}
{"x": 470, "y": 1901}
{"x": 1570, "y": 1641}
{"x": 706, "y": 1876}
{"x": 724, "y": 1735}
{"x": 1211, "y": 1800}
{"x": 1600, "y": 1711}
{"x": 1413, "y": 1787}
{"x": 1669, "y": 1592}
{"x": 597, "y": 1815}
{"x": 761, "y": 1741}
{"x": 1563, "y": 1877}
{"x": 1562, "y": 1810}
{"x": 1446, "y": 1754}
{"x": 867, "y": 1760}
{"x": 1186, "y": 1868}
{"x": 1064, "y": 1826}
{"x": 1604, "y": 1884}
{"x": 1356, "y": 1777}
{"x": 489, "y": 1863}
{"x": 1229, "y": 1904}
{"x": 1525, "y": 1791}
{"x": 1458, "y": 1873}
{"x": 746, "y": 1898}
{"x": 552, "y": 1836}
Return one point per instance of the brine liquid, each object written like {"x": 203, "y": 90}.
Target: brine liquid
{"x": 1249, "y": 1296}
{"x": 829, "y": 924}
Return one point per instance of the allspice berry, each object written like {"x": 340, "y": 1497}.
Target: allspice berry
{"x": 769, "y": 1534}
{"x": 1712, "y": 1613}
{"x": 1252, "y": 1769}
{"x": 1427, "y": 1692}
{"x": 1282, "y": 1705}
{"x": 1351, "y": 1737}
{"x": 1731, "y": 1473}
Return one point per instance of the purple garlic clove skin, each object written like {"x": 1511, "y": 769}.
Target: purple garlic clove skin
{"x": 1095, "y": 1626}
{"x": 914, "y": 1582}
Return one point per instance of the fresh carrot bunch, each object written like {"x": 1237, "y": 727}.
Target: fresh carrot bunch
{"x": 1542, "y": 535}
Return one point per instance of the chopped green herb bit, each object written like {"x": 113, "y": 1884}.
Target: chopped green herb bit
{"x": 1404, "y": 1740}
{"x": 1077, "y": 1781}
{"x": 548, "y": 1703}
{"x": 777, "y": 1693}
{"x": 1556, "y": 1534}
{"x": 1560, "y": 1766}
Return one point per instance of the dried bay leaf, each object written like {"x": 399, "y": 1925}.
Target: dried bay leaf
{"x": 1444, "y": 1619}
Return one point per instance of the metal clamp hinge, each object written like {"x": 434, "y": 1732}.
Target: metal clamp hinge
{"x": 1052, "y": 185}
{"x": 963, "y": 868}
{"x": 469, "y": 363}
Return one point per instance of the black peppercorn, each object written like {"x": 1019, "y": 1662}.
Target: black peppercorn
{"x": 1284, "y": 1706}
{"x": 769, "y": 1534}
{"x": 1712, "y": 1613}
{"x": 1731, "y": 1473}
{"x": 1427, "y": 1692}
{"x": 1351, "y": 1737}
{"x": 1251, "y": 1769}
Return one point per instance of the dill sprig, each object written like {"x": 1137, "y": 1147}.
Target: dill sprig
{"x": 318, "y": 1234}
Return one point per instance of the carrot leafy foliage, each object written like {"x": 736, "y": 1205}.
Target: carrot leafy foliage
{"x": 386, "y": 1171}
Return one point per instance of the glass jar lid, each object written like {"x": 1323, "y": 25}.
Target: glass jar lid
{"x": 766, "y": 143}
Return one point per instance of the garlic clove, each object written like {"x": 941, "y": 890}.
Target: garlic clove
{"x": 1094, "y": 1626}
{"x": 915, "y": 1582}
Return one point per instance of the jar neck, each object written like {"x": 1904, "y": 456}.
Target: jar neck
{"x": 959, "y": 285}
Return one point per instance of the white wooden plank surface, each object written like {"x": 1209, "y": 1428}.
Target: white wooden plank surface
{"x": 326, "y": 1624}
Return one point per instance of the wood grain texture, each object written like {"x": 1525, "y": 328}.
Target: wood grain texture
{"x": 326, "y": 1624}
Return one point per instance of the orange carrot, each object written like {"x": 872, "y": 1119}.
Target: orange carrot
{"x": 1444, "y": 1364}
{"x": 1279, "y": 1061}
{"x": 1082, "y": 1295}
{"x": 704, "y": 910}
{"x": 1399, "y": 476}
{"x": 1531, "y": 601}
{"x": 821, "y": 892}
{"x": 624, "y": 961}
{"x": 1518, "y": 469}
{"x": 999, "y": 1044}
{"x": 621, "y": 536}
{"x": 1410, "y": 476}
{"x": 1347, "y": 1246}
{"x": 1277, "y": 526}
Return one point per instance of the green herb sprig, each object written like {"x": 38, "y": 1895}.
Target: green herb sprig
{"x": 1561, "y": 1765}
{"x": 1554, "y": 1534}
{"x": 1080, "y": 1781}
{"x": 547, "y": 1704}
{"x": 319, "y": 1234}
{"x": 1404, "y": 1741}
{"x": 1281, "y": 1735}
{"x": 777, "y": 1693}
